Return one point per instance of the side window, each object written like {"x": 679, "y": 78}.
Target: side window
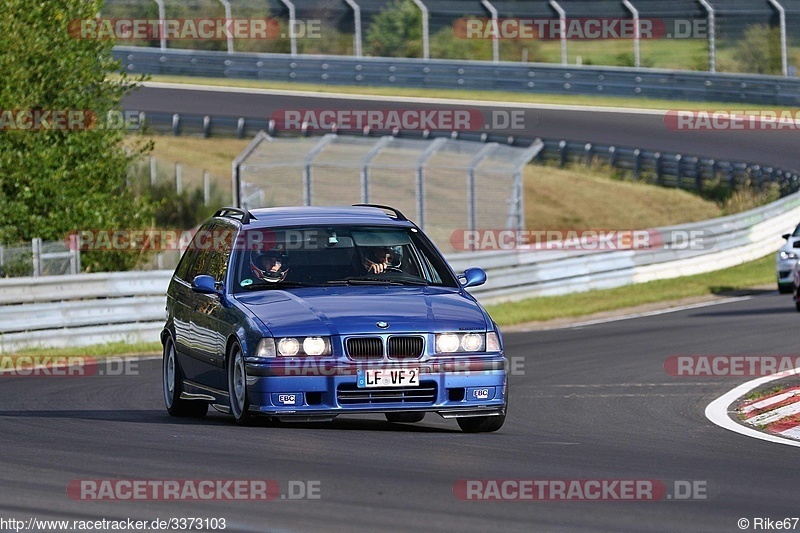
{"x": 182, "y": 272}
{"x": 214, "y": 245}
{"x": 221, "y": 251}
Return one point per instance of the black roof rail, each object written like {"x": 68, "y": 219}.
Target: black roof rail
{"x": 397, "y": 214}
{"x": 231, "y": 212}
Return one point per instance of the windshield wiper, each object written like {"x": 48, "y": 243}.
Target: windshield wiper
{"x": 280, "y": 285}
{"x": 382, "y": 281}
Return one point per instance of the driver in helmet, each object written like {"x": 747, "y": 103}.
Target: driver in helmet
{"x": 377, "y": 259}
{"x": 271, "y": 266}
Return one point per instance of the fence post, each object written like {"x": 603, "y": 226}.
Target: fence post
{"x": 426, "y": 49}
{"x": 178, "y": 178}
{"x": 206, "y": 188}
{"x": 152, "y": 172}
{"x": 74, "y": 254}
{"x": 562, "y": 152}
{"x": 36, "y": 248}
{"x": 589, "y": 151}
{"x": 357, "y": 21}
{"x": 712, "y": 36}
{"x": 659, "y": 172}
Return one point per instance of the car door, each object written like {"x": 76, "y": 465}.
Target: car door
{"x": 181, "y": 306}
{"x": 211, "y": 322}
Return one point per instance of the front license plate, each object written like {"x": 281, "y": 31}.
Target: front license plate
{"x": 385, "y": 377}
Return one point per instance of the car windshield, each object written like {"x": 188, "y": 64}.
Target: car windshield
{"x": 285, "y": 258}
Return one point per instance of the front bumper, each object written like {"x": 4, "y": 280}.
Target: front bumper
{"x": 785, "y": 271}
{"x": 321, "y": 390}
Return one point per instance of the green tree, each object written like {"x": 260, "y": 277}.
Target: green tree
{"x": 54, "y": 181}
{"x": 396, "y": 31}
{"x": 759, "y": 51}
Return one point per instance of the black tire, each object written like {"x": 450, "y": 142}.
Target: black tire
{"x": 172, "y": 379}
{"x": 481, "y": 424}
{"x": 405, "y": 418}
{"x": 797, "y": 305}
{"x": 237, "y": 388}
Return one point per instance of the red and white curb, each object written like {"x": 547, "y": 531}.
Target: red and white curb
{"x": 774, "y": 418}
{"x": 778, "y": 413}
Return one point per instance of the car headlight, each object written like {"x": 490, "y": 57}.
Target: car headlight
{"x": 303, "y": 346}
{"x": 447, "y": 343}
{"x": 314, "y": 345}
{"x": 466, "y": 342}
{"x": 472, "y": 342}
{"x": 288, "y": 347}
{"x": 787, "y": 255}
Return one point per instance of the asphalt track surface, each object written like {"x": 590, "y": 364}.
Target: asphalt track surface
{"x": 647, "y": 131}
{"x": 591, "y": 402}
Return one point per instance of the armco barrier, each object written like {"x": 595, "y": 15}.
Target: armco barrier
{"x": 95, "y": 308}
{"x": 467, "y": 75}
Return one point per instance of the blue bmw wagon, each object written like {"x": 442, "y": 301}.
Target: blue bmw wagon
{"x": 307, "y": 313}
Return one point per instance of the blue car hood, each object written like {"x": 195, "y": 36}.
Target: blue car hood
{"x": 352, "y": 310}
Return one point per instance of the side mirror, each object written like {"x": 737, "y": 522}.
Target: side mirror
{"x": 786, "y": 236}
{"x": 204, "y": 284}
{"x": 472, "y": 277}
{"x": 796, "y": 244}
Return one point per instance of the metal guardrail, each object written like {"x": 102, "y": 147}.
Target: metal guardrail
{"x": 467, "y": 75}
{"x": 95, "y": 308}
{"x": 668, "y": 169}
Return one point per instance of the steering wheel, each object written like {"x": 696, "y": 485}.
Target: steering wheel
{"x": 393, "y": 269}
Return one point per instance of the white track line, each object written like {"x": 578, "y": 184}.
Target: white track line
{"x": 408, "y": 99}
{"x": 717, "y": 411}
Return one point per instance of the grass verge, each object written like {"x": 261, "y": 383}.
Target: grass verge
{"x": 745, "y": 276}
{"x": 112, "y": 349}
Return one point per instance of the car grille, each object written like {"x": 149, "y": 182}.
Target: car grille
{"x": 350, "y": 394}
{"x": 405, "y": 347}
{"x": 365, "y": 348}
{"x": 784, "y": 273}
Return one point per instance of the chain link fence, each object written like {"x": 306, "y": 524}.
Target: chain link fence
{"x": 444, "y": 184}
{"x": 40, "y": 258}
{"x": 754, "y": 36}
